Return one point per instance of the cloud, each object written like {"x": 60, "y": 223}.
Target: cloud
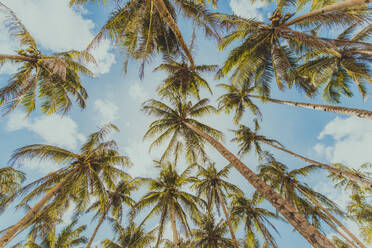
{"x": 352, "y": 141}
{"x": 138, "y": 93}
{"x": 57, "y": 27}
{"x": 107, "y": 111}
{"x": 53, "y": 129}
{"x": 246, "y": 9}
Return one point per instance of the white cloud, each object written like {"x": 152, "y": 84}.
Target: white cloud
{"x": 53, "y": 129}
{"x": 246, "y": 9}
{"x": 107, "y": 111}
{"x": 138, "y": 92}
{"x": 352, "y": 141}
{"x": 57, "y": 27}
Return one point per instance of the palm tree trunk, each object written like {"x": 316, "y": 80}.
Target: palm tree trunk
{"x": 333, "y": 7}
{"x": 309, "y": 232}
{"x": 163, "y": 10}
{"x": 328, "y": 108}
{"x": 18, "y": 57}
{"x": 97, "y": 227}
{"x": 236, "y": 244}
{"x": 358, "y": 179}
{"x": 331, "y": 224}
{"x": 9, "y": 235}
{"x": 335, "y": 220}
{"x": 174, "y": 226}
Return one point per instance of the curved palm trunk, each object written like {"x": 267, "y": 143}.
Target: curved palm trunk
{"x": 361, "y": 180}
{"x": 97, "y": 227}
{"x": 331, "y": 224}
{"x": 327, "y": 108}
{"x": 174, "y": 226}
{"x": 9, "y": 235}
{"x": 335, "y": 220}
{"x": 236, "y": 244}
{"x": 163, "y": 10}
{"x": 309, "y": 232}
{"x": 18, "y": 57}
{"x": 333, "y": 7}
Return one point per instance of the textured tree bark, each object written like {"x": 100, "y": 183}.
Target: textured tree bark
{"x": 327, "y": 108}
{"x": 97, "y": 227}
{"x": 9, "y": 235}
{"x": 227, "y": 216}
{"x": 174, "y": 226}
{"x": 361, "y": 180}
{"x": 309, "y": 232}
{"x": 18, "y": 57}
{"x": 162, "y": 8}
{"x": 333, "y": 7}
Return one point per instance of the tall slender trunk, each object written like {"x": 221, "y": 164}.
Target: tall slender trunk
{"x": 9, "y": 235}
{"x": 227, "y": 216}
{"x": 335, "y": 220}
{"x": 327, "y": 108}
{"x": 163, "y": 10}
{"x": 174, "y": 226}
{"x": 18, "y": 57}
{"x": 360, "y": 180}
{"x": 309, "y": 232}
{"x": 332, "y": 225}
{"x": 97, "y": 227}
{"x": 333, "y": 7}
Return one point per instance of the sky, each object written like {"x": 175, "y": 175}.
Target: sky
{"x": 117, "y": 98}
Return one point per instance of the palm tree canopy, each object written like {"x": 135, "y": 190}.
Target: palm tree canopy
{"x": 10, "y": 183}
{"x": 69, "y": 237}
{"x": 168, "y": 191}
{"x": 171, "y": 124}
{"x": 130, "y": 237}
{"x": 211, "y": 234}
{"x": 54, "y": 79}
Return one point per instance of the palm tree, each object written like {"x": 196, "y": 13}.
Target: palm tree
{"x": 245, "y": 137}
{"x": 87, "y": 173}
{"x": 52, "y": 78}
{"x": 183, "y": 78}
{"x": 10, "y": 183}
{"x": 337, "y": 69}
{"x": 210, "y": 234}
{"x": 339, "y": 243}
{"x": 178, "y": 120}
{"x": 114, "y": 203}
{"x": 167, "y": 195}
{"x": 130, "y": 237}
{"x": 182, "y": 243}
{"x": 302, "y": 196}
{"x": 239, "y": 96}
{"x": 211, "y": 184}
{"x": 145, "y": 27}
{"x": 264, "y": 51}
{"x": 68, "y": 237}
{"x": 255, "y": 219}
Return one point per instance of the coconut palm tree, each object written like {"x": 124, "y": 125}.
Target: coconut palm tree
{"x": 182, "y": 243}
{"x": 210, "y": 234}
{"x": 68, "y": 237}
{"x": 10, "y": 183}
{"x": 305, "y": 199}
{"x": 113, "y": 203}
{"x": 183, "y": 79}
{"x": 144, "y": 27}
{"x": 54, "y": 79}
{"x": 97, "y": 166}
{"x": 255, "y": 219}
{"x": 246, "y": 138}
{"x": 167, "y": 195}
{"x": 178, "y": 120}
{"x": 338, "y": 69}
{"x": 211, "y": 184}
{"x": 264, "y": 52}
{"x": 239, "y": 97}
{"x": 130, "y": 237}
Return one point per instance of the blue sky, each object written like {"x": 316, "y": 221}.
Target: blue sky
{"x": 115, "y": 97}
